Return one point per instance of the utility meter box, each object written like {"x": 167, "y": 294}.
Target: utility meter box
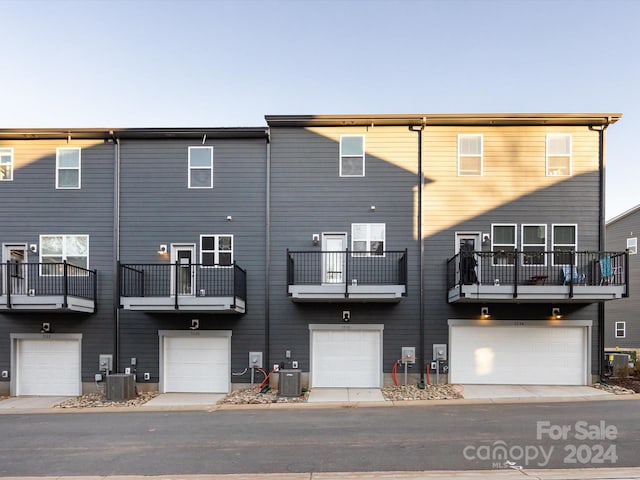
{"x": 409, "y": 355}
{"x": 289, "y": 383}
{"x": 255, "y": 359}
{"x": 439, "y": 351}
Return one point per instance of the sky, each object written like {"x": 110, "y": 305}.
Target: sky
{"x": 224, "y": 63}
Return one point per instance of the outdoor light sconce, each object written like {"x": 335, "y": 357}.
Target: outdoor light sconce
{"x": 195, "y": 324}
{"x": 162, "y": 250}
{"x": 229, "y": 218}
{"x": 315, "y": 238}
{"x": 555, "y": 313}
{"x": 346, "y": 315}
{"x": 45, "y": 328}
{"x": 33, "y": 248}
{"x": 373, "y": 208}
{"x": 484, "y": 312}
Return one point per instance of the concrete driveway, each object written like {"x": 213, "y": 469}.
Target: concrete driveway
{"x": 531, "y": 392}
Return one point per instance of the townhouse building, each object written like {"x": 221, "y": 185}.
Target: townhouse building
{"x": 622, "y": 331}
{"x": 469, "y": 247}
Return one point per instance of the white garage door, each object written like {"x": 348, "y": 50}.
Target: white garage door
{"x": 197, "y": 364}
{"x": 515, "y": 355}
{"x": 48, "y": 367}
{"x": 346, "y": 358}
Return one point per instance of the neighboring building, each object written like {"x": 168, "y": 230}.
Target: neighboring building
{"x": 329, "y": 244}
{"x": 622, "y": 331}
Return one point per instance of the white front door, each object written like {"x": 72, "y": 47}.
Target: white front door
{"x": 469, "y": 271}
{"x": 16, "y": 255}
{"x": 184, "y": 276}
{"x": 334, "y": 246}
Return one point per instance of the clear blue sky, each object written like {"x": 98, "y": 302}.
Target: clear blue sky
{"x": 228, "y": 63}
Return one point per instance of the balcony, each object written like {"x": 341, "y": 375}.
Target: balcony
{"x": 173, "y": 287}
{"x": 47, "y": 287}
{"x": 557, "y": 276}
{"x": 344, "y": 276}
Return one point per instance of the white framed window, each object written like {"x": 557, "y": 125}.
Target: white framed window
{"x": 559, "y": 155}
{"x": 621, "y": 329}
{"x": 534, "y": 244}
{"x": 68, "y": 167}
{"x": 352, "y": 155}
{"x": 216, "y": 250}
{"x": 470, "y": 156}
{"x": 632, "y": 245}
{"x": 367, "y": 239}
{"x": 200, "y": 167}
{"x": 503, "y": 243}
{"x": 564, "y": 243}
{"x": 6, "y": 164}
{"x": 55, "y": 249}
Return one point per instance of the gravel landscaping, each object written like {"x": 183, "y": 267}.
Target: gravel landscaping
{"x": 618, "y": 390}
{"x": 94, "y": 400}
{"x": 430, "y": 392}
{"x": 252, "y": 396}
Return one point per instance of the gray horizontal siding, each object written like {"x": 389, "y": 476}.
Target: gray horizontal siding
{"x": 625, "y": 310}
{"x": 37, "y": 208}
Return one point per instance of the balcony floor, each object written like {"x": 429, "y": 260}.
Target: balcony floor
{"x": 535, "y": 293}
{"x": 186, "y": 303}
{"x": 46, "y": 303}
{"x": 356, "y": 293}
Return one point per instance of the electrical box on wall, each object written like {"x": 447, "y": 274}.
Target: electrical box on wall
{"x": 439, "y": 351}
{"x": 255, "y": 359}
{"x": 408, "y": 354}
{"x": 105, "y": 362}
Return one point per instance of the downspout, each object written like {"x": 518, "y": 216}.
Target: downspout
{"x": 116, "y": 253}
{"x": 267, "y": 242}
{"x": 421, "y": 358}
{"x": 601, "y": 232}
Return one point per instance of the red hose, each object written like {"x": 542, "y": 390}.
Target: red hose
{"x": 394, "y": 372}
{"x": 266, "y": 378}
{"x": 428, "y": 369}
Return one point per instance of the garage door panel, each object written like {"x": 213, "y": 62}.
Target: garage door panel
{"x": 349, "y": 358}
{"x": 48, "y": 367}
{"x": 198, "y": 365}
{"x": 518, "y": 355}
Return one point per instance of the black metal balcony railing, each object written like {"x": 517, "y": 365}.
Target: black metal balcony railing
{"x": 560, "y": 267}
{"x": 347, "y": 267}
{"x": 47, "y": 279}
{"x": 175, "y": 279}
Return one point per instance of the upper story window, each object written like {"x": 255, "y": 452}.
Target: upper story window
{"x": 470, "y": 155}
{"x": 503, "y": 243}
{"x": 6, "y": 164}
{"x": 216, "y": 250}
{"x": 565, "y": 243}
{"x": 352, "y": 155}
{"x": 632, "y": 245}
{"x": 55, "y": 249}
{"x": 68, "y": 167}
{"x": 621, "y": 329}
{"x": 558, "y": 154}
{"x": 200, "y": 167}
{"x": 534, "y": 244}
{"x": 368, "y": 238}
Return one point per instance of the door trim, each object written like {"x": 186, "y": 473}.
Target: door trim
{"x": 325, "y": 260}
{"x": 175, "y": 247}
{"x": 6, "y": 248}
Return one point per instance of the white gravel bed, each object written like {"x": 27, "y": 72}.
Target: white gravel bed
{"x": 430, "y": 392}
{"x": 613, "y": 389}
{"x": 93, "y": 400}
{"x": 252, "y": 396}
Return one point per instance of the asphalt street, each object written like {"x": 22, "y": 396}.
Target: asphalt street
{"x": 446, "y": 437}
